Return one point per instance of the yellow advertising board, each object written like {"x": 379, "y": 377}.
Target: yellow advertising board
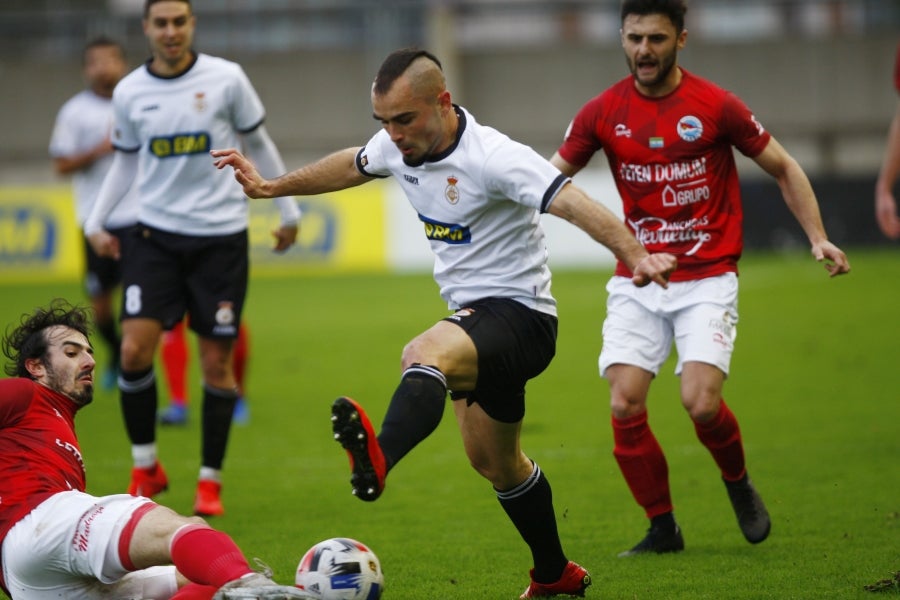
{"x": 39, "y": 239}
{"x": 341, "y": 232}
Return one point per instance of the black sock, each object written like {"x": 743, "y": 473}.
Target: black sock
{"x": 415, "y": 411}
{"x": 530, "y": 507}
{"x": 110, "y": 335}
{"x": 218, "y": 409}
{"x": 137, "y": 397}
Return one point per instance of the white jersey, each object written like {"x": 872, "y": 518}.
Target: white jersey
{"x": 82, "y": 123}
{"x": 173, "y": 123}
{"x": 480, "y": 202}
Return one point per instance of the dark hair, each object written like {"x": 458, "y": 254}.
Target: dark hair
{"x": 396, "y": 64}
{"x": 149, "y": 3}
{"x": 28, "y": 339}
{"x": 101, "y": 42}
{"x": 674, "y": 9}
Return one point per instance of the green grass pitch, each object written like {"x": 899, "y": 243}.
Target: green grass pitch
{"x": 815, "y": 384}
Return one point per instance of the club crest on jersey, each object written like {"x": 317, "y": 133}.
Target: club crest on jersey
{"x": 690, "y": 128}
{"x": 451, "y": 192}
{"x": 200, "y": 101}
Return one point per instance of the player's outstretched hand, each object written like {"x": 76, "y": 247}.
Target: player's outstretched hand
{"x": 244, "y": 172}
{"x": 835, "y": 260}
{"x": 285, "y": 237}
{"x": 105, "y": 244}
{"x": 654, "y": 267}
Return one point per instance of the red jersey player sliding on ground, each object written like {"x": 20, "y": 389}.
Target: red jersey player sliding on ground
{"x": 60, "y": 542}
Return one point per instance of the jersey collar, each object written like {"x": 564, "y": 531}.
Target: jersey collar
{"x": 461, "y": 127}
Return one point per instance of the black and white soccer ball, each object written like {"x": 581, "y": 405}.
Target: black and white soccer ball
{"x": 340, "y": 569}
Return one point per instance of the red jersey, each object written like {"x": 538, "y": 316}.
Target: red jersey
{"x": 897, "y": 70}
{"x": 673, "y": 165}
{"x": 39, "y": 454}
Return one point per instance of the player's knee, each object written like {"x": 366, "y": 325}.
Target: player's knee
{"x": 136, "y": 355}
{"x": 624, "y": 406}
{"x": 702, "y": 408}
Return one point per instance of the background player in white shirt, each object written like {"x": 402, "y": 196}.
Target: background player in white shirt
{"x": 190, "y": 251}
{"x": 80, "y": 146}
{"x": 480, "y": 196}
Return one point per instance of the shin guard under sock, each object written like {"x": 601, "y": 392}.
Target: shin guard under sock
{"x": 642, "y": 463}
{"x": 174, "y": 355}
{"x": 207, "y": 556}
{"x": 529, "y": 506}
{"x": 722, "y": 437}
{"x": 110, "y": 335}
{"x": 218, "y": 408}
{"x": 137, "y": 396}
{"x": 415, "y": 411}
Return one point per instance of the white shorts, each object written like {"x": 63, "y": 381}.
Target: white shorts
{"x": 68, "y": 548}
{"x": 641, "y": 323}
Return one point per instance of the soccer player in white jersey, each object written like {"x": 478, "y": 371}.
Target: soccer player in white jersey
{"x": 190, "y": 251}
{"x": 479, "y": 196}
{"x": 80, "y": 146}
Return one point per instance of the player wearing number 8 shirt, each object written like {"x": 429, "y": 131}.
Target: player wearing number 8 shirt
{"x": 190, "y": 253}
{"x": 668, "y": 136}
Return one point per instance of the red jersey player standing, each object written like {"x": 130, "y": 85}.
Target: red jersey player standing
{"x": 56, "y": 541}
{"x": 885, "y": 203}
{"x": 668, "y": 136}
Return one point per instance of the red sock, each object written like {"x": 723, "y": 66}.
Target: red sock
{"x": 642, "y": 463}
{"x": 174, "y": 355}
{"x": 195, "y": 591}
{"x": 241, "y": 354}
{"x": 722, "y": 437}
{"x": 207, "y": 556}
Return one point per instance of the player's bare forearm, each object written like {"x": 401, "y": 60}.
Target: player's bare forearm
{"x": 334, "y": 172}
{"x": 801, "y": 201}
{"x": 573, "y": 205}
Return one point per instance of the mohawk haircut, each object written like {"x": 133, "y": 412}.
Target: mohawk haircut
{"x": 674, "y": 9}
{"x": 396, "y": 64}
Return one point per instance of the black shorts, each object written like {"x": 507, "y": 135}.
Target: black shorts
{"x": 514, "y": 344}
{"x": 103, "y": 274}
{"x": 166, "y": 275}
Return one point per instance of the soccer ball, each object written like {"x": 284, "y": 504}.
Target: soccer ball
{"x": 340, "y": 569}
